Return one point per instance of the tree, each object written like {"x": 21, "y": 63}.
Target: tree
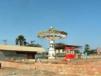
{"x": 32, "y": 44}
{"x": 20, "y": 40}
{"x": 77, "y": 52}
{"x": 87, "y": 49}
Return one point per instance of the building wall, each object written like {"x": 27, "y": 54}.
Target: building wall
{"x": 11, "y": 55}
{"x": 2, "y": 56}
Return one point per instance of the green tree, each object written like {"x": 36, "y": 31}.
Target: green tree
{"x": 20, "y": 40}
{"x": 32, "y": 44}
{"x": 77, "y": 52}
{"x": 87, "y": 49}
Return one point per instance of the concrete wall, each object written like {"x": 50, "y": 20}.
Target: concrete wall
{"x": 4, "y": 55}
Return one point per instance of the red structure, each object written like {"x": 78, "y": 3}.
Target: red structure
{"x": 66, "y": 47}
{"x": 69, "y": 56}
{"x": 70, "y": 50}
{"x": 71, "y": 47}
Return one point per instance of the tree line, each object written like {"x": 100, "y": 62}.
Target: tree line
{"x": 21, "y": 40}
{"x": 88, "y": 50}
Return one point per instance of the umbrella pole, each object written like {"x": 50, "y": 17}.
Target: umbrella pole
{"x": 51, "y": 52}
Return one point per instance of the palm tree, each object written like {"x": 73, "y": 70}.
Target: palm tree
{"x": 20, "y": 40}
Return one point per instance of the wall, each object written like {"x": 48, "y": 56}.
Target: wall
{"x": 11, "y": 55}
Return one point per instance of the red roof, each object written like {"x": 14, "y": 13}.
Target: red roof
{"x": 64, "y": 46}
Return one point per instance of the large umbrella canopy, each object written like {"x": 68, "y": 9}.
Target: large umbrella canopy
{"x": 52, "y": 34}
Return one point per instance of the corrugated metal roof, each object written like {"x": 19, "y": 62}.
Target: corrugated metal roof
{"x": 21, "y": 48}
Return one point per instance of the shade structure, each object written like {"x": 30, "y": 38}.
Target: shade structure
{"x": 51, "y": 35}
{"x": 66, "y": 46}
{"x": 17, "y": 48}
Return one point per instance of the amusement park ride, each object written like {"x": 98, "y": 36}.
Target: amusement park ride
{"x": 52, "y": 35}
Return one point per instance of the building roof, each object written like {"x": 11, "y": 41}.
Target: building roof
{"x": 21, "y": 48}
{"x": 62, "y": 46}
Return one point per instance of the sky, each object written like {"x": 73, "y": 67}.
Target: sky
{"x": 81, "y": 19}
